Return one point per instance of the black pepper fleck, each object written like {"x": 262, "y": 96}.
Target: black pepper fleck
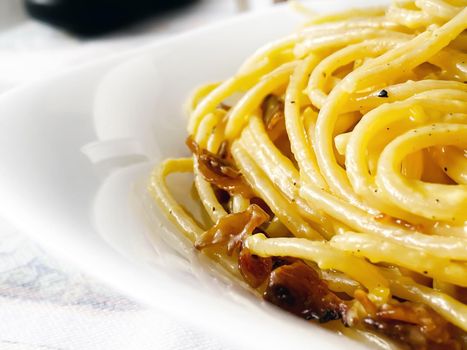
{"x": 383, "y": 93}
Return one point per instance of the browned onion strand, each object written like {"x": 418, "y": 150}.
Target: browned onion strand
{"x": 219, "y": 171}
{"x": 297, "y": 288}
{"x": 273, "y": 116}
{"x": 232, "y": 229}
{"x": 416, "y": 325}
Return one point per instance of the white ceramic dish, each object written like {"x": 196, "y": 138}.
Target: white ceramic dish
{"x": 76, "y": 151}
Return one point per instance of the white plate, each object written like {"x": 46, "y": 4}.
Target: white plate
{"x": 76, "y": 152}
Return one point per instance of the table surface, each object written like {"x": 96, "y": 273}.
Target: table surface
{"x": 46, "y": 304}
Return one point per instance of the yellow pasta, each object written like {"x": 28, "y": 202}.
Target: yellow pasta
{"x": 371, "y": 247}
{"x": 323, "y": 254}
{"x": 341, "y": 166}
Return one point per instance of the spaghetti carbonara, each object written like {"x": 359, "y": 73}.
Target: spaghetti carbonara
{"x": 333, "y": 170}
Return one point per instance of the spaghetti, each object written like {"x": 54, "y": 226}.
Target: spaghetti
{"x": 336, "y": 183}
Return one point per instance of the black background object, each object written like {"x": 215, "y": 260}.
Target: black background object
{"x": 96, "y": 17}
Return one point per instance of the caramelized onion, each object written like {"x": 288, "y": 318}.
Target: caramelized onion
{"x": 262, "y": 204}
{"x": 223, "y": 151}
{"x": 273, "y": 116}
{"x": 219, "y": 172}
{"x": 416, "y": 325}
{"x": 232, "y": 229}
{"x": 461, "y": 294}
{"x": 224, "y": 106}
{"x": 298, "y": 289}
{"x": 278, "y": 261}
{"x": 254, "y": 269}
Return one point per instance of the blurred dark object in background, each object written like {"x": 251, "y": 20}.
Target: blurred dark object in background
{"x": 96, "y": 17}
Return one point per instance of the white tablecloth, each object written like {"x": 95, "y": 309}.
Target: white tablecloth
{"x": 44, "y": 303}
